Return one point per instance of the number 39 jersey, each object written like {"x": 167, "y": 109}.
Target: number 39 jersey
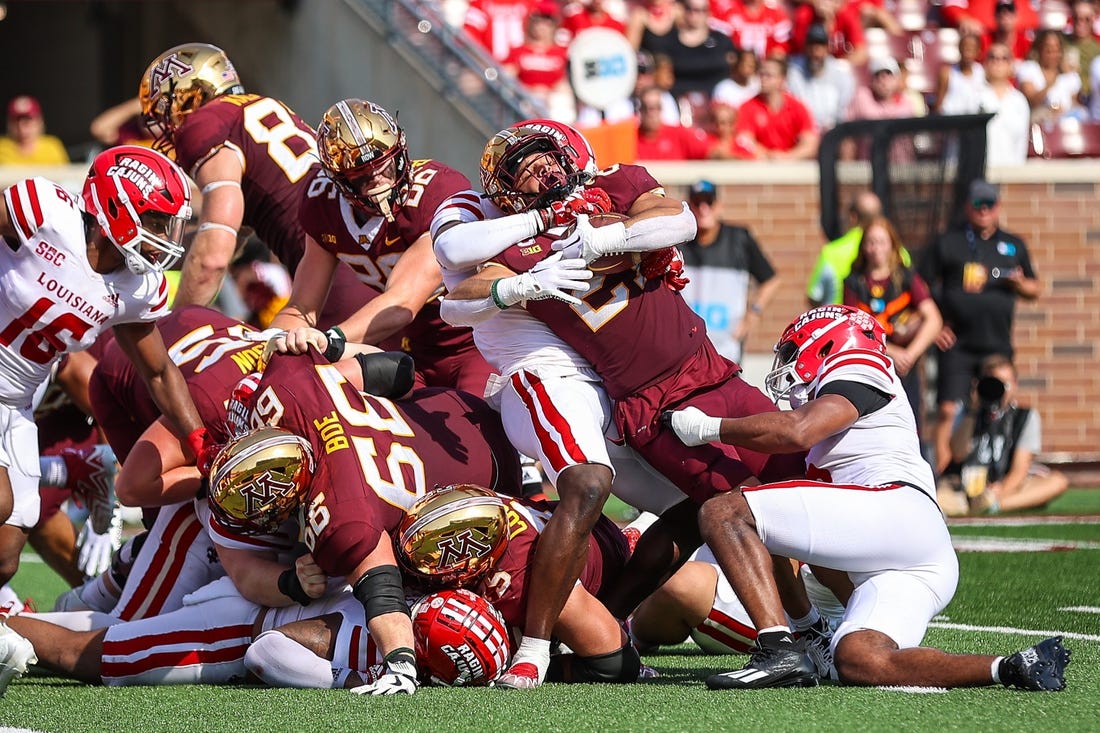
{"x": 51, "y": 301}
{"x": 375, "y": 457}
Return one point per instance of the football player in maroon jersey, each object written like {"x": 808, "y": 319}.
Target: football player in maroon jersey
{"x": 621, "y": 315}
{"x": 493, "y": 554}
{"x": 250, "y": 155}
{"x": 372, "y": 458}
{"x": 371, "y": 208}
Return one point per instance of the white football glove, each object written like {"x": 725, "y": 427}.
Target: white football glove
{"x": 589, "y": 243}
{"x": 548, "y": 279}
{"x": 693, "y": 426}
{"x": 398, "y": 679}
{"x": 96, "y": 549}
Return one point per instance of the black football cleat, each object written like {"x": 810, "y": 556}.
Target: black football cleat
{"x": 787, "y": 665}
{"x": 1040, "y": 668}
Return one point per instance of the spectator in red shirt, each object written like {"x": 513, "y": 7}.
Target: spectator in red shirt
{"x": 498, "y": 25}
{"x": 1007, "y": 30}
{"x": 658, "y": 141}
{"x": 540, "y": 63}
{"x": 774, "y": 125}
{"x": 761, "y": 27}
{"x": 841, "y": 22}
{"x": 977, "y": 16}
{"x": 585, "y": 14}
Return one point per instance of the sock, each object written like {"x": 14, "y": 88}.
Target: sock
{"x": 774, "y": 637}
{"x": 280, "y": 661}
{"x": 534, "y": 651}
{"x": 98, "y": 595}
{"x": 54, "y": 471}
{"x": 995, "y": 669}
{"x": 811, "y": 618}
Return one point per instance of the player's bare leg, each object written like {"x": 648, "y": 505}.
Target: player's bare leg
{"x": 662, "y": 549}
{"x": 303, "y": 654}
{"x": 683, "y": 602}
{"x": 55, "y": 541}
{"x": 872, "y": 658}
{"x": 12, "y": 540}
{"x": 7, "y": 499}
{"x": 729, "y": 528}
{"x": 76, "y": 654}
{"x": 559, "y": 559}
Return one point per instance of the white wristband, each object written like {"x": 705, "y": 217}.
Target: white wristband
{"x": 710, "y": 429}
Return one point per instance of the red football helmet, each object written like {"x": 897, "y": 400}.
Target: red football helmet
{"x": 816, "y": 335}
{"x": 461, "y": 640}
{"x": 506, "y": 151}
{"x": 142, "y": 201}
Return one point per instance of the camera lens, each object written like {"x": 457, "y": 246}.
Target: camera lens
{"x": 990, "y": 390}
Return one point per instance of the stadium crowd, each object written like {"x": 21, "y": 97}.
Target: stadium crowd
{"x": 360, "y": 443}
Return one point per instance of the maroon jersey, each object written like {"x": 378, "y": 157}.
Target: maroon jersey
{"x": 210, "y": 350}
{"x": 372, "y": 245}
{"x": 375, "y": 457}
{"x": 631, "y": 341}
{"x": 278, "y": 153}
{"x": 506, "y": 586}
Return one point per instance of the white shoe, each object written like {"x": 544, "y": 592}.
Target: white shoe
{"x": 15, "y": 654}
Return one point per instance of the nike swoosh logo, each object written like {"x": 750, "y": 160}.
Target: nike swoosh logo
{"x": 390, "y": 241}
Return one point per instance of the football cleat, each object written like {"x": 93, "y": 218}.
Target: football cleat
{"x": 786, "y": 666}
{"x": 15, "y": 654}
{"x": 520, "y": 676}
{"x": 92, "y": 474}
{"x": 818, "y": 640}
{"x": 1040, "y": 668}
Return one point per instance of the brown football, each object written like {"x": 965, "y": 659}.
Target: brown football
{"x": 611, "y": 263}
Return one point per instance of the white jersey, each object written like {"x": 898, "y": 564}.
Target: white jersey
{"x": 512, "y": 339}
{"x": 879, "y": 448}
{"x": 51, "y": 301}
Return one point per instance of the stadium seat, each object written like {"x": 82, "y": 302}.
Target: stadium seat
{"x": 1069, "y": 138}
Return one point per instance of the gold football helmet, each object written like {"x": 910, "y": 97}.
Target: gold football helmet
{"x": 453, "y": 535}
{"x": 258, "y": 479}
{"x": 178, "y": 82}
{"x": 504, "y": 154}
{"x": 358, "y": 140}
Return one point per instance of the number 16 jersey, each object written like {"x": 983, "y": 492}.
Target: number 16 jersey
{"x": 51, "y": 300}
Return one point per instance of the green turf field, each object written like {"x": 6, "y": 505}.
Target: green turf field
{"x": 1005, "y": 601}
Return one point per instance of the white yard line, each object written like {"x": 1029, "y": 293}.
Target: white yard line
{"x": 1081, "y": 609}
{"x": 997, "y": 521}
{"x": 1012, "y": 630}
{"x": 1015, "y": 544}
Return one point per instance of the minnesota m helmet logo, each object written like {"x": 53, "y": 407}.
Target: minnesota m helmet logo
{"x": 169, "y": 67}
{"x": 460, "y": 547}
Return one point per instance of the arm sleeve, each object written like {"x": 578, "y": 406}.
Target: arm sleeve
{"x": 658, "y": 232}
{"x": 467, "y": 312}
{"x": 865, "y": 398}
{"x": 471, "y": 243}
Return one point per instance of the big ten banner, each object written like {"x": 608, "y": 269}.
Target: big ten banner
{"x": 603, "y": 68}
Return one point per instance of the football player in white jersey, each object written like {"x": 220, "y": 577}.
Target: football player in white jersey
{"x": 867, "y": 508}
{"x": 69, "y": 269}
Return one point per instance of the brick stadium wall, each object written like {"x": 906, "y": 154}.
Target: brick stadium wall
{"x": 1059, "y": 219}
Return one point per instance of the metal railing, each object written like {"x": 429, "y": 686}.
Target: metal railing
{"x": 459, "y": 69}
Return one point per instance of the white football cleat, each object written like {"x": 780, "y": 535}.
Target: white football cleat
{"x": 15, "y": 654}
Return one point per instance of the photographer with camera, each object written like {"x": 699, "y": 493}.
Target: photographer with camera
{"x": 976, "y": 274}
{"x": 993, "y": 464}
